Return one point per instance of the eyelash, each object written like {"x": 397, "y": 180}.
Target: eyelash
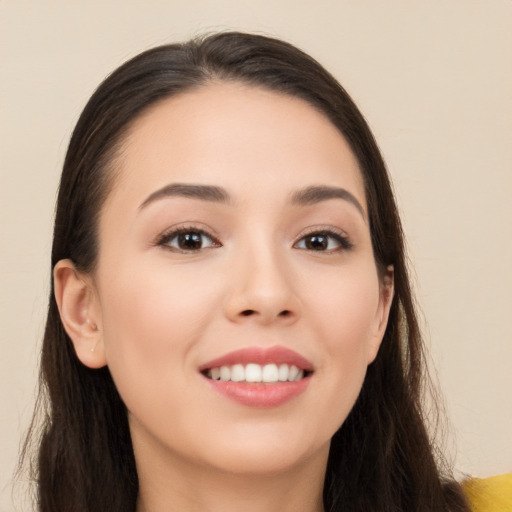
{"x": 341, "y": 239}
{"x": 169, "y": 236}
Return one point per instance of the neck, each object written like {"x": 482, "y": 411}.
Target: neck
{"x": 175, "y": 485}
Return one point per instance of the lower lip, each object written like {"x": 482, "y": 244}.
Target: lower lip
{"x": 260, "y": 395}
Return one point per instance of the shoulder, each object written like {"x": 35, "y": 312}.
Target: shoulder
{"x": 492, "y": 494}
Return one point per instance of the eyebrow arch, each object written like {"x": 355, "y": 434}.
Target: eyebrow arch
{"x": 318, "y": 193}
{"x": 202, "y": 192}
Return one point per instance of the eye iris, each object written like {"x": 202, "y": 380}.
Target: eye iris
{"x": 317, "y": 242}
{"x": 189, "y": 241}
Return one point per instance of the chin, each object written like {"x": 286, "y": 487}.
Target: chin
{"x": 263, "y": 455}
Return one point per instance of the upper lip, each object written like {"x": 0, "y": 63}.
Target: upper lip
{"x": 260, "y": 355}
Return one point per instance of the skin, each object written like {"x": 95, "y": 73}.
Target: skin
{"x": 154, "y": 313}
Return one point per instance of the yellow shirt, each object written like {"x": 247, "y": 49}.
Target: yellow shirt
{"x": 492, "y": 494}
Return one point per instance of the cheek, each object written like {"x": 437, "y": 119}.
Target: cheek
{"x": 345, "y": 307}
{"x": 343, "y": 319}
{"x": 151, "y": 321}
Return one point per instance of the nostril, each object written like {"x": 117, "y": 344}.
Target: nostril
{"x": 248, "y": 312}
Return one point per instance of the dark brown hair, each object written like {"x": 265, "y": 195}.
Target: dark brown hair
{"x": 382, "y": 457}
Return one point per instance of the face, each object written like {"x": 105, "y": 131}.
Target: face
{"x": 235, "y": 244}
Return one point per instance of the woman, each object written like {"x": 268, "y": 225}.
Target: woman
{"x": 231, "y": 325}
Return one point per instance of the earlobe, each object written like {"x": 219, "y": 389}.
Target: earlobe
{"x": 80, "y": 313}
{"x": 386, "y": 294}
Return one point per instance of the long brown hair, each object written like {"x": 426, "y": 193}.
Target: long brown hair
{"x": 381, "y": 458}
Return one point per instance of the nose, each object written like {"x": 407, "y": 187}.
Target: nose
{"x": 262, "y": 290}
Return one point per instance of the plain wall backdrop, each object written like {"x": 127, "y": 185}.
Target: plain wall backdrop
{"x": 433, "y": 78}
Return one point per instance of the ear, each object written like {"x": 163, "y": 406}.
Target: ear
{"x": 80, "y": 313}
{"x": 386, "y": 293}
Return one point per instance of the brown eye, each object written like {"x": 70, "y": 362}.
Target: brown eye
{"x": 316, "y": 242}
{"x": 188, "y": 240}
{"x": 325, "y": 241}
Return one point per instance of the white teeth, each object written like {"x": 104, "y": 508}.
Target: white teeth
{"x": 269, "y": 373}
{"x": 253, "y": 373}
{"x": 283, "y": 372}
{"x": 225, "y": 373}
{"x": 237, "y": 373}
{"x": 293, "y": 373}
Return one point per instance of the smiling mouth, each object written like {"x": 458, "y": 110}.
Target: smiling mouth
{"x": 254, "y": 373}
{"x": 261, "y": 377}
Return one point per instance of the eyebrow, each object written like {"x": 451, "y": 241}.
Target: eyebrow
{"x": 318, "y": 193}
{"x": 304, "y": 197}
{"x": 201, "y": 192}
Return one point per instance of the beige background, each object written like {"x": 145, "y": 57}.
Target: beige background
{"x": 434, "y": 79}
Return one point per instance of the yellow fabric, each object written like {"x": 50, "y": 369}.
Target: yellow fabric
{"x": 492, "y": 494}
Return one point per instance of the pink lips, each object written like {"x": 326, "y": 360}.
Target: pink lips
{"x": 259, "y": 394}
{"x": 258, "y": 355}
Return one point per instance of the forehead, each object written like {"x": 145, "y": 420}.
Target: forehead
{"x": 236, "y": 136}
